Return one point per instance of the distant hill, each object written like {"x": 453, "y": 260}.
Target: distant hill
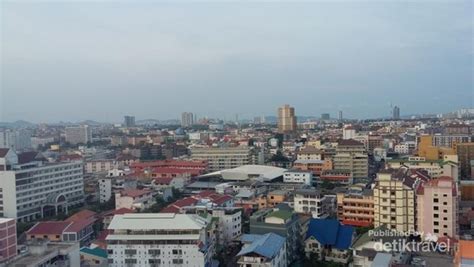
{"x": 17, "y": 124}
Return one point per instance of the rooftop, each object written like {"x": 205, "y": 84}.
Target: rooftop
{"x": 152, "y": 221}
{"x": 267, "y": 245}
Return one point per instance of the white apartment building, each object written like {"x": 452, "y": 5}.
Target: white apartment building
{"x": 229, "y": 223}
{"x": 78, "y": 134}
{"x": 310, "y": 201}
{"x": 161, "y": 239}
{"x": 221, "y": 158}
{"x": 297, "y": 176}
{"x": 101, "y": 165}
{"x": 31, "y": 188}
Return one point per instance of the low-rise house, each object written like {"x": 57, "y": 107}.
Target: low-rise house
{"x": 268, "y": 250}
{"x": 63, "y": 231}
{"x": 329, "y": 240}
{"x": 135, "y": 199}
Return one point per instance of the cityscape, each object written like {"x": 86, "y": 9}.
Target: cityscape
{"x": 240, "y": 134}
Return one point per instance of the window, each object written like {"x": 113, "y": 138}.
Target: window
{"x": 445, "y": 203}
{"x": 393, "y": 218}
{"x": 177, "y": 252}
{"x": 130, "y": 261}
{"x": 445, "y": 211}
{"x": 392, "y": 210}
{"x": 436, "y": 215}
{"x": 154, "y": 251}
{"x": 435, "y": 208}
{"x": 154, "y": 261}
{"x": 435, "y": 200}
{"x": 392, "y": 201}
{"x": 435, "y": 223}
{"x": 131, "y": 251}
{"x": 177, "y": 261}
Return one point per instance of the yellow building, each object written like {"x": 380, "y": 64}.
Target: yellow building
{"x": 430, "y": 152}
{"x": 394, "y": 199}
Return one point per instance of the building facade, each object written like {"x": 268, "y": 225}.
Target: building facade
{"x": 221, "y": 158}
{"x": 286, "y": 119}
{"x": 163, "y": 239}
{"x": 78, "y": 134}
{"x": 356, "y": 207}
{"x": 437, "y": 207}
{"x": 32, "y": 189}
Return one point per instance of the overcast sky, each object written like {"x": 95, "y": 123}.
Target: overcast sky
{"x": 101, "y": 60}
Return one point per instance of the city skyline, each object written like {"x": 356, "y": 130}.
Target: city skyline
{"x": 167, "y": 58}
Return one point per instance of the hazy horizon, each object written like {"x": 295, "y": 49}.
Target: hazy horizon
{"x": 75, "y": 61}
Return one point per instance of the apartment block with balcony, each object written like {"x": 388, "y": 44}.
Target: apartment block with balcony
{"x": 221, "y": 158}
{"x": 395, "y": 198}
{"x": 163, "y": 239}
{"x": 356, "y": 207}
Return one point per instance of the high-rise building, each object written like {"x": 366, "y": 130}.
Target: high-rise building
{"x": 129, "y": 121}
{"x": 395, "y": 198}
{"x": 286, "y": 119}
{"x": 78, "y": 134}
{"x": 31, "y": 188}
{"x": 187, "y": 119}
{"x": 325, "y": 116}
{"x": 396, "y": 113}
{"x": 352, "y": 155}
{"x": 437, "y": 207}
{"x": 340, "y": 115}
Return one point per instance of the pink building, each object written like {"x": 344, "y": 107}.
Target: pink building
{"x": 437, "y": 204}
{"x": 7, "y": 239}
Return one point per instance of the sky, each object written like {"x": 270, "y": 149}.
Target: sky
{"x": 100, "y": 60}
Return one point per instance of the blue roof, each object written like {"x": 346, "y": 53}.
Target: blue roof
{"x": 330, "y": 232}
{"x": 267, "y": 245}
{"x": 95, "y": 251}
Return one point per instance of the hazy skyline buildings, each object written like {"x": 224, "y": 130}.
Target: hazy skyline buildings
{"x": 286, "y": 119}
{"x": 396, "y": 113}
{"x": 187, "y": 119}
{"x": 129, "y": 121}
